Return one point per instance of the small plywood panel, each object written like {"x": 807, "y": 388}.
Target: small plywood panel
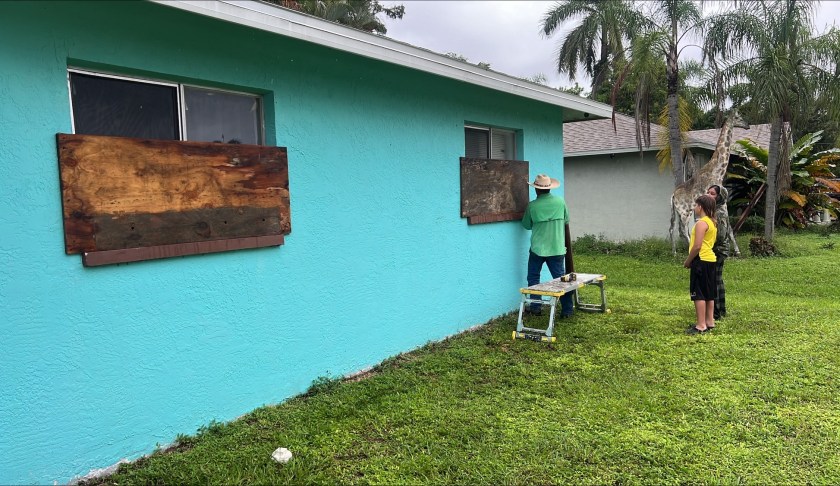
{"x": 493, "y": 190}
{"x": 120, "y": 193}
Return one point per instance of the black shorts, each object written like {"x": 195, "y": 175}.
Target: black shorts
{"x": 702, "y": 283}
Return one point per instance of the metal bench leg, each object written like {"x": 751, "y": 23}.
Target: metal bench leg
{"x": 519, "y": 323}
{"x": 602, "y": 307}
{"x": 603, "y": 297}
{"x": 550, "y": 331}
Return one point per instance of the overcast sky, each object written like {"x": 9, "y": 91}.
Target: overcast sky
{"x": 505, "y": 34}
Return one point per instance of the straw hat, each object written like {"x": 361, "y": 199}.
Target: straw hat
{"x": 542, "y": 181}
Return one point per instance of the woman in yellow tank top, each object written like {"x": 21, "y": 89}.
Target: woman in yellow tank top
{"x": 701, "y": 260}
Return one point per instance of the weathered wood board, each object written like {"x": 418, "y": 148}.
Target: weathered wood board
{"x": 106, "y": 257}
{"x": 120, "y": 193}
{"x": 493, "y": 190}
{"x": 557, "y": 287}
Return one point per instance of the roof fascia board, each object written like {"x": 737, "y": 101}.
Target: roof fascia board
{"x": 304, "y": 27}
{"x": 626, "y": 150}
{"x": 702, "y": 145}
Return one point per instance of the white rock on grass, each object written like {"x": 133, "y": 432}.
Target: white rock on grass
{"x": 282, "y": 455}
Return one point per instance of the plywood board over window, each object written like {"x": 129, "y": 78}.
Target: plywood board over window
{"x": 128, "y": 199}
{"x": 493, "y": 190}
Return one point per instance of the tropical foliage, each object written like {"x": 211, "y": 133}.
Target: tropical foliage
{"x": 762, "y": 56}
{"x": 359, "y": 14}
{"x": 668, "y": 23}
{"x": 598, "y": 41}
{"x": 770, "y": 45}
{"x": 653, "y": 31}
{"x": 812, "y": 189}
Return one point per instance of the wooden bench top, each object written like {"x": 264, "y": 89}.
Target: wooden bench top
{"x": 558, "y": 288}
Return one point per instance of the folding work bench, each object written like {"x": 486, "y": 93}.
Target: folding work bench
{"x": 555, "y": 289}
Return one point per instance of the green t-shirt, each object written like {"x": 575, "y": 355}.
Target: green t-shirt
{"x": 546, "y": 217}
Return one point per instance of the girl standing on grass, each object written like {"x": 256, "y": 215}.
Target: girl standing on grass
{"x": 701, "y": 260}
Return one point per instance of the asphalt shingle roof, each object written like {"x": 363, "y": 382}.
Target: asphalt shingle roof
{"x": 759, "y": 134}
{"x": 599, "y": 137}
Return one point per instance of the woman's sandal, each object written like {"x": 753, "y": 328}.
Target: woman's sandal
{"x": 694, "y": 330}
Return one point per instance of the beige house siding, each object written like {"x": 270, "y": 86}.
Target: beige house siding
{"x": 612, "y": 191}
{"x": 621, "y": 198}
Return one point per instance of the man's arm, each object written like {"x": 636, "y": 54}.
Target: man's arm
{"x": 526, "y": 219}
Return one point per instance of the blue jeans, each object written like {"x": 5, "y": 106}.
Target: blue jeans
{"x": 557, "y": 267}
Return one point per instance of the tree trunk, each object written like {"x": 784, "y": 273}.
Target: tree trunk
{"x": 599, "y": 73}
{"x": 674, "y": 140}
{"x": 772, "y": 167}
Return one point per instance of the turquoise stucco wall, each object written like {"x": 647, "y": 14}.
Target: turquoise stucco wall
{"x": 103, "y": 363}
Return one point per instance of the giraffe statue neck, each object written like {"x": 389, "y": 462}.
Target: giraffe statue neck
{"x": 720, "y": 158}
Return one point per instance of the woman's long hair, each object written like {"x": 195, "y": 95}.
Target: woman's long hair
{"x": 707, "y": 202}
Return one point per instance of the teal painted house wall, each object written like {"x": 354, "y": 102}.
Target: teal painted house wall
{"x": 102, "y": 363}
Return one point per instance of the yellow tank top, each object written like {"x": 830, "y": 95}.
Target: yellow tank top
{"x": 706, "y": 253}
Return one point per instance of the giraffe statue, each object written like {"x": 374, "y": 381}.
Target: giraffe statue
{"x": 682, "y": 201}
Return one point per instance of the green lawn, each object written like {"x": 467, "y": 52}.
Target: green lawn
{"x": 624, "y": 397}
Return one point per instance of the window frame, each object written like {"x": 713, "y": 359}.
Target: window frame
{"x": 180, "y": 96}
{"x": 491, "y": 130}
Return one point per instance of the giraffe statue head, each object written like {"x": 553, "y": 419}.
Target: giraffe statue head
{"x": 737, "y": 120}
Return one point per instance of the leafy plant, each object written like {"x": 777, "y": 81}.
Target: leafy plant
{"x": 812, "y": 185}
{"x": 759, "y": 247}
{"x": 753, "y": 224}
{"x": 322, "y": 384}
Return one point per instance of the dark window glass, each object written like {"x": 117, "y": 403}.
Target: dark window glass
{"x": 477, "y": 143}
{"x": 218, "y": 116}
{"x": 116, "y": 107}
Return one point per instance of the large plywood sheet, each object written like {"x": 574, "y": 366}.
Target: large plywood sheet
{"x": 120, "y": 193}
{"x": 493, "y": 190}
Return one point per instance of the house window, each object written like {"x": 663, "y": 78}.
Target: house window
{"x": 489, "y": 143}
{"x": 127, "y": 107}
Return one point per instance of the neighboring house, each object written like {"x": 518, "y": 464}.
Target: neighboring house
{"x": 103, "y": 361}
{"x": 613, "y": 190}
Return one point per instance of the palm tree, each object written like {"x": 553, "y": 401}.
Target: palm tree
{"x": 667, "y": 23}
{"x": 605, "y": 26}
{"x": 771, "y": 45}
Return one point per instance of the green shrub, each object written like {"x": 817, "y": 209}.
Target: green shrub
{"x": 753, "y": 224}
{"x": 592, "y": 244}
{"x": 644, "y": 248}
{"x": 322, "y": 384}
{"x": 823, "y": 229}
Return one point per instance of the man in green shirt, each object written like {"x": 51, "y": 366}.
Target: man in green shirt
{"x": 547, "y": 217}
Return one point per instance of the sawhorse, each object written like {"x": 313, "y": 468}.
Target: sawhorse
{"x": 555, "y": 289}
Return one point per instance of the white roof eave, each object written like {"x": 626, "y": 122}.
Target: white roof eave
{"x": 304, "y": 27}
{"x": 626, "y": 150}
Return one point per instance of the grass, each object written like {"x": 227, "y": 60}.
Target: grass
{"x": 624, "y": 397}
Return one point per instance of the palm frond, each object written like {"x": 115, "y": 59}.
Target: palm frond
{"x": 684, "y": 122}
{"x": 563, "y": 11}
{"x": 751, "y": 150}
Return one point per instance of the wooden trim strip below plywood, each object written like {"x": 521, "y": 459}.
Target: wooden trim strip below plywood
{"x": 494, "y": 218}
{"x": 97, "y": 258}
